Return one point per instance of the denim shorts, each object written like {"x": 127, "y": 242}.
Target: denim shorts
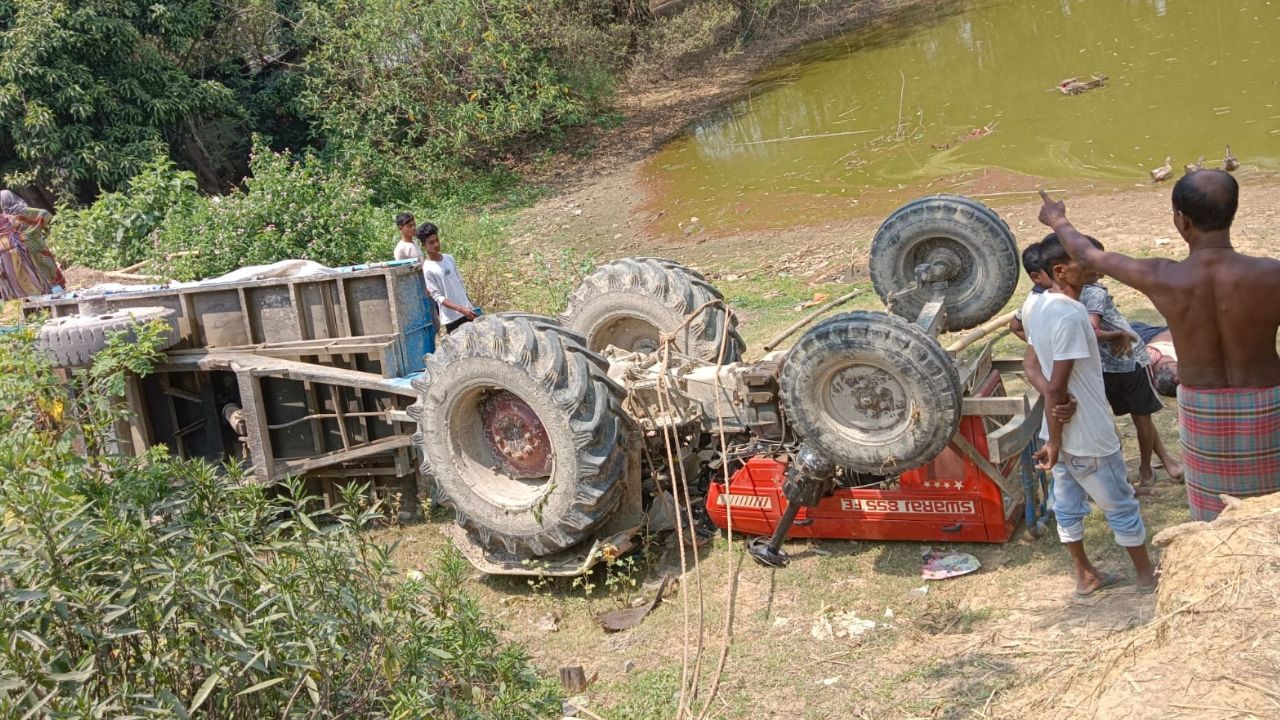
{"x": 1105, "y": 481}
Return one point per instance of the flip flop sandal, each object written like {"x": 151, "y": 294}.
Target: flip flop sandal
{"x": 1108, "y": 580}
{"x": 1146, "y": 590}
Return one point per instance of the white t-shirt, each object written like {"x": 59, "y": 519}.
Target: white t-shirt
{"x": 443, "y": 281}
{"x": 407, "y": 250}
{"x": 1059, "y": 329}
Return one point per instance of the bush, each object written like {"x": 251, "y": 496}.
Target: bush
{"x": 291, "y": 208}
{"x": 115, "y": 231}
{"x": 153, "y": 587}
{"x": 437, "y": 85}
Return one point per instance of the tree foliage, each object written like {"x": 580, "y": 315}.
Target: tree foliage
{"x": 456, "y": 79}
{"x": 91, "y": 90}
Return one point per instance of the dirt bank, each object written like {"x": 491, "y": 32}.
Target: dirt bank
{"x": 1210, "y": 650}
{"x": 605, "y": 200}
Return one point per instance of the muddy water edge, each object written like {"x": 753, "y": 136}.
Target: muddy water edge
{"x": 968, "y": 102}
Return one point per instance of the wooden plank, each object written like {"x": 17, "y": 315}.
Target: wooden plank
{"x": 180, "y": 448}
{"x": 320, "y": 346}
{"x": 182, "y": 394}
{"x": 313, "y": 410}
{"x": 977, "y": 369}
{"x": 299, "y": 310}
{"x": 350, "y": 473}
{"x": 287, "y": 369}
{"x": 343, "y": 311}
{"x": 1005, "y": 481}
{"x": 377, "y": 447}
{"x": 1009, "y": 439}
{"x": 212, "y": 413}
{"x": 1008, "y": 365}
{"x": 330, "y": 313}
{"x": 361, "y": 402}
{"x": 261, "y": 457}
{"x": 998, "y": 406}
{"x": 335, "y": 396}
{"x": 187, "y": 325}
{"x": 140, "y": 431}
{"x": 247, "y": 316}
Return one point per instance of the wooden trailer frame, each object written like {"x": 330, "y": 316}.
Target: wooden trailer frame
{"x": 319, "y": 367}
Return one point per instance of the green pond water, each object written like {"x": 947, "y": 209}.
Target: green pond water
{"x": 897, "y": 110}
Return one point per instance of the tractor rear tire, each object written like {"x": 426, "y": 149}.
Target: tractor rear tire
{"x": 968, "y": 232}
{"x": 627, "y": 303}
{"x": 872, "y": 392}
{"x": 73, "y": 340}
{"x": 561, "y": 408}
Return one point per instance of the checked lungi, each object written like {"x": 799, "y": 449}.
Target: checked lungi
{"x": 1230, "y": 444}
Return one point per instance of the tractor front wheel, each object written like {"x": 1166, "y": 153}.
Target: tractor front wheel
{"x": 872, "y": 392}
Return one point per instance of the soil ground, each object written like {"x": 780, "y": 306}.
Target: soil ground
{"x": 965, "y": 646}
{"x": 982, "y": 645}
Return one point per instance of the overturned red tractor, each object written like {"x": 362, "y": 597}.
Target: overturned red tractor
{"x": 550, "y": 438}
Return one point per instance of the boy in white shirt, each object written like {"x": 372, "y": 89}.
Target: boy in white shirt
{"x": 1084, "y": 454}
{"x": 406, "y": 248}
{"x": 444, "y": 283}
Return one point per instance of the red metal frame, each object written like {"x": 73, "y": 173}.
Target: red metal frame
{"x": 951, "y": 499}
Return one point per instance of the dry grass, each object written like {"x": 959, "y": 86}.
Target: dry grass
{"x": 1211, "y": 650}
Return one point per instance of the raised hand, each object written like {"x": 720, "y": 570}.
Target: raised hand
{"x": 1053, "y": 211}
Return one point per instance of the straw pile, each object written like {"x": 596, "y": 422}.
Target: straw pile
{"x": 1213, "y": 647}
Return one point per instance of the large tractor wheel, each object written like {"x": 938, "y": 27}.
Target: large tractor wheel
{"x": 627, "y": 303}
{"x": 523, "y": 432}
{"x": 966, "y": 237}
{"x": 872, "y": 392}
{"x": 73, "y": 340}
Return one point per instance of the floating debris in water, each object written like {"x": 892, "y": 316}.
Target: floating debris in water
{"x": 1075, "y": 86}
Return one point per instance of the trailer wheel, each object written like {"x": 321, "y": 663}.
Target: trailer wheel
{"x": 872, "y": 392}
{"x": 627, "y": 303}
{"x": 970, "y": 239}
{"x": 73, "y": 340}
{"x": 524, "y": 433}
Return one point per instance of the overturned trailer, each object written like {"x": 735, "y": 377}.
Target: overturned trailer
{"x": 294, "y": 376}
{"x": 551, "y": 437}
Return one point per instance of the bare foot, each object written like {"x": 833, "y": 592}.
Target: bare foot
{"x": 1142, "y": 491}
{"x": 1174, "y": 470}
{"x": 1090, "y": 583}
{"x": 1146, "y": 476}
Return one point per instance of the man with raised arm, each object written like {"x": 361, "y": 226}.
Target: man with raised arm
{"x": 1223, "y": 309}
{"x": 1083, "y": 453}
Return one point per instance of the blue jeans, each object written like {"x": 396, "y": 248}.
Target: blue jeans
{"x": 1105, "y": 480}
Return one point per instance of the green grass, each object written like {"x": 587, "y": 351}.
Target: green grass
{"x": 649, "y": 695}
{"x": 767, "y": 305}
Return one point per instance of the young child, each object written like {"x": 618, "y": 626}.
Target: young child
{"x": 1125, "y": 377}
{"x": 1084, "y": 453}
{"x": 1039, "y": 283}
{"x": 406, "y": 248}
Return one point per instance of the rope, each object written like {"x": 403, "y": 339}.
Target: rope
{"x": 668, "y": 430}
{"x": 690, "y": 681}
{"x": 730, "y": 566}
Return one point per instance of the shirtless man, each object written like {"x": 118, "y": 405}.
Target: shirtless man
{"x": 1221, "y": 308}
